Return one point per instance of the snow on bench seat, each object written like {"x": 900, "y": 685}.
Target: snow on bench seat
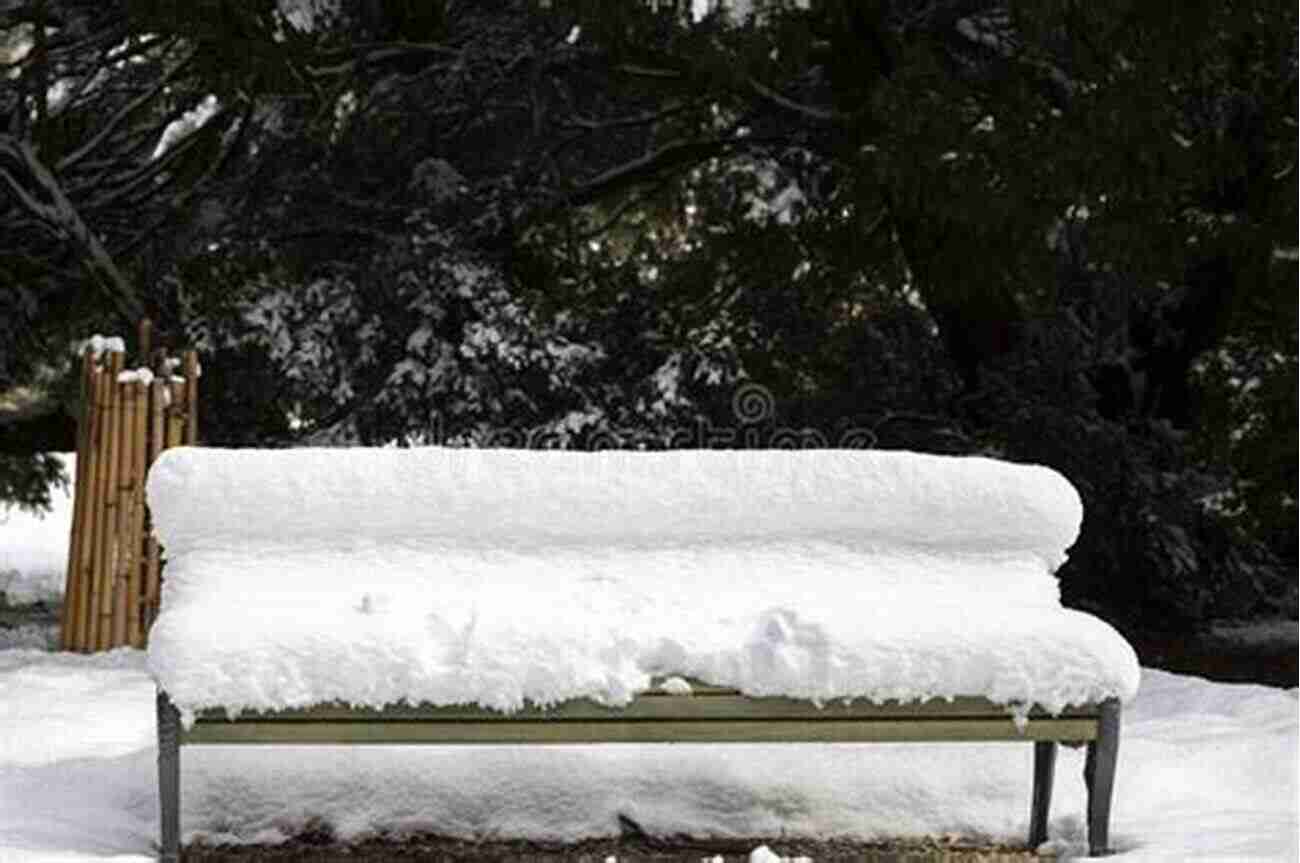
{"x": 439, "y": 575}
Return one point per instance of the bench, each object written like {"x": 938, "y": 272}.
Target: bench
{"x": 808, "y": 562}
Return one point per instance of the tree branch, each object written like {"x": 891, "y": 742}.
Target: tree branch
{"x": 60, "y": 212}
{"x": 126, "y": 110}
{"x": 678, "y": 152}
{"x": 629, "y": 120}
{"x": 647, "y": 72}
{"x": 822, "y": 115}
{"x": 619, "y": 212}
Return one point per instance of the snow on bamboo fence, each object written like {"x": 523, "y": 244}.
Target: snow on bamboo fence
{"x": 128, "y": 416}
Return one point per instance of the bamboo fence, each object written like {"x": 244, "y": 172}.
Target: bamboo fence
{"x": 128, "y": 417}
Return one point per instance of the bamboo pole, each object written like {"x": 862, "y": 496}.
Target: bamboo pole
{"x": 136, "y": 586}
{"x": 126, "y": 482}
{"x": 74, "y": 586}
{"x": 104, "y": 569}
{"x": 113, "y": 560}
{"x": 175, "y": 413}
{"x": 117, "y": 592}
{"x": 157, "y": 406}
{"x": 191, "y": 398}
{"x": 140, "y": 467}
{"x": 90, "y": 529}
{"x": 117, "y": 614}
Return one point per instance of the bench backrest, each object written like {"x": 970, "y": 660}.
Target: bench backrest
{"x": 210, "y": 498}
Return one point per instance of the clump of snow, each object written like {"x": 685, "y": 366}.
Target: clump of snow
{"x": 763, "y": 854}
{"x": 100, "y": 345}
{"x": 141, "y": 375}
{"x": 676, "y": 686}
{"x": 188, "y": 123}
{"x": 498, "y": 577}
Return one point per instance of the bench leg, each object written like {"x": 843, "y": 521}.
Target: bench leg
{"x": 1044, "y": 771}
{"x": 169, "y": 779}
{"x": 1099, "y": 776}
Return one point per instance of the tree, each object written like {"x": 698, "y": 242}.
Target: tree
{"x": 91, "y": 193}
{"x": 1055, "y": 233}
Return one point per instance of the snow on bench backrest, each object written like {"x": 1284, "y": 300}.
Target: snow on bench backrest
{"x": 205, "y": 498}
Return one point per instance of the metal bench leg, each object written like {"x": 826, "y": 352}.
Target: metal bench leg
{"x": 169, "y": 779}
{"x": 1099, "y": 776}
{"x": 1044, "y": 771}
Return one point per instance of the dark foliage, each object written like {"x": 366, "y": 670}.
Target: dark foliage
{"x": 26, "y": 480}
{"x": 1061, "y": 233}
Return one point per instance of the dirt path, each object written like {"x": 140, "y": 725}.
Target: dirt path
{"x": 625, "y": 850}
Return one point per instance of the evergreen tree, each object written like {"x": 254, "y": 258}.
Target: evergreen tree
{"x": 1059, "y": 232}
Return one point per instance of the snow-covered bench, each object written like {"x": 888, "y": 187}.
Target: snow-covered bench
{"x": 504, "y": 596}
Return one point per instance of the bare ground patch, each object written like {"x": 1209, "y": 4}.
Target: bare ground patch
{"x": 320, "y": 848}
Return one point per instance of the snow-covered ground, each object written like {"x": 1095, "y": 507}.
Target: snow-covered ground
{"x": 1207, "y": 771}
{"x": 34, "y": 548}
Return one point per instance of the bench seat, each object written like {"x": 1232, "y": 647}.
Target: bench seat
{"x": 488, "y": 650}
{"x": 707, "y": 714}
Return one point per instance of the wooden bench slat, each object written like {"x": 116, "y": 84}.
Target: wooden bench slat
{"x": 721, "y": 715}
{"x": 754, "y": 730}
{"x": 653, "y": 706}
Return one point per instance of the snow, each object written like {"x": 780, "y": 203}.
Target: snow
{"x": 1206, "y": 771}
{"x": 500, "y": 576}
{"x": 208, "y": 498}
{"x": 737, "y": 11}
{"x": 34, "y": 548}
{"x": 142, "y": 375}
{"x": 763, "y": 854}
{"x": 302, "y": 14}
{"x": 100, "y": 345}
{"x": 35, "y": 636}
{"x": 676, "y": 686}
{"x": 185, "y": 125}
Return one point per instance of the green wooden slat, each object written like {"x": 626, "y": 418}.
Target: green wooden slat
{"x": 709, "y": 714}
{"x": 657, "y": 731}
{"x": 718, "y": 705}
